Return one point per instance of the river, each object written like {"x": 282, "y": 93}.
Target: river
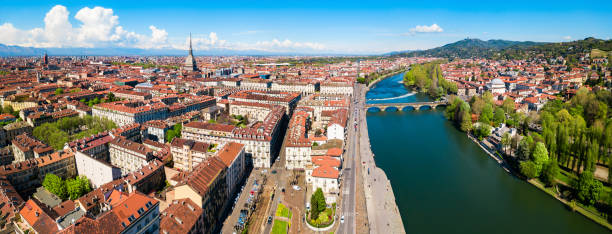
{"x": 445, "y": 183}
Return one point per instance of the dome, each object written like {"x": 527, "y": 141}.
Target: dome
{"x": 497, "y": 81}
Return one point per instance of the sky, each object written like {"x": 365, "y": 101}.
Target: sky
{"x": 343, "y": 27}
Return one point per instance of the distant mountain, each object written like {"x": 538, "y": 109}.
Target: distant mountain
{"x": 122, "y": 51}
{"x": 6, "y": 50}
{"x": 468, "y": 48}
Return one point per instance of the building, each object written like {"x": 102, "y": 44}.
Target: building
{"x": 26, "y": 147}
{"x": 182, "y": 216}
{"x": 17, "y": 128}
{"x": 187, "y": 154}
{"x": 288, "y": 100}
{"x": 95, "y": 146}
{"x": 207, "y": 188}
{"x": 124, "y": 213}
{"x": 156, "y": 130}
{"x": 129, "y": 112}
{"x": 190, "y": 62}
{"x": 496, "y": 86}
{"x": 261, "y": 139}
{"x": 343, "y": 88}
{"x": 337, "y": 124}
{"x": 298, "y": 146}
{"x": 326, "y": 178}
{"x": 232, "y": 155}
{"x": 25, "y": 176}
{"x": 98, "y": 171}
{"x": 128, "y": 155}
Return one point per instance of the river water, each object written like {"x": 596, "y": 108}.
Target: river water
{"x": 445, "y": 183}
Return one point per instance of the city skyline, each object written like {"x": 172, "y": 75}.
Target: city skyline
{"x": 313, "y": 28}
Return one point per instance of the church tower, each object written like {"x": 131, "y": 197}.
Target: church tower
{"x": 190, "y": 63}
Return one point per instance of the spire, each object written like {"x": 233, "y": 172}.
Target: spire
{"x": 190, "y": 50}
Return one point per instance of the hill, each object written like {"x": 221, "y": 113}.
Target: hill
{"x": 502, "y": 49}
{"x": 469, "y": 48}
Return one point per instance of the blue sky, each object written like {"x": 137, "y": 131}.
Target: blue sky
{"x": 300, "y": 26}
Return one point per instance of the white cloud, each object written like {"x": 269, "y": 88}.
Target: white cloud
{"x": 434, "y": 28}
{"x": 99, "y": 27}
{"x": 567, "y": 38}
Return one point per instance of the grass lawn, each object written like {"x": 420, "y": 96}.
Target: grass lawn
{"x": 597, "y": 53}
{"x": 280, "y": 227}
{"x": 283, "y": 211}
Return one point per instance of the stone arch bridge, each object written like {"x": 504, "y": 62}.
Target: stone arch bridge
{"x": 400, "y": 106}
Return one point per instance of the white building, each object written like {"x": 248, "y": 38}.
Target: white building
{"x": 128, "y": 155}
{"x": 97, "y": 171}
{"x": 326, "y": 178}
{"x": 496, "y": 86}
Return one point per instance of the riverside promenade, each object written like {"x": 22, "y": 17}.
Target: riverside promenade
{"x": 383, "y": 214}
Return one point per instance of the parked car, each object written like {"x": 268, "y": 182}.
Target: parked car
{"x": 342, "y": 219}
{"x": 270, "y": 219}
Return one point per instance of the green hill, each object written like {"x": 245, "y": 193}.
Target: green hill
{"x": 502, "y": 49}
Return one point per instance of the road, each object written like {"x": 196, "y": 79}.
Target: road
{"x": 352, "y": 155}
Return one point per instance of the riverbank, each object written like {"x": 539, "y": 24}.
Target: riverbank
{"x": 385, "y": 77}
{"x": 577, "y": 208}
{"x": 383, "y": 213}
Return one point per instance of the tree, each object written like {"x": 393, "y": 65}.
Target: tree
{"x": 499, "y": 116}
{"x": 524, "y": 148}
{"x": 529, "y": 169}
{"x": 55, "y": 185}
{"x": 540, "y": 156}
{"x": 59, "y": 91}
{"x": 505, "y": 141}
{"x": 487, "y": 114}
{"x": 483, "y": 130}
{"x": 317, "y": 204}
{"x": 477, "y": 105}
{"x": 550, "y": 172}
{"x": 508, "y": 105}
{"x": 588, "y": 188}
{"x": 78, "y": 187}
{"x": 466, "y": 119}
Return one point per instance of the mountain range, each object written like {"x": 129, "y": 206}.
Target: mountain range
{"x": 6, "y": 50}
{"x": 503, "y": 49}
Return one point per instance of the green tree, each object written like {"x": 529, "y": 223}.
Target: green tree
{"x": 59, "y": 91}
{"x": 483, "y": 130}
{"x": 524, "y": 148}
{"x": 317, "y": 204}
{"x": 78, "y": 187}
{"x": 55, "y": 185}
{"x": 487, "y": 114}
{"x": 540, "y": 156}
{"x": 550, "y": 172}
{"x": 499, "y": 116}
{"x": 508, "y": 105}
{"x": 465, "y": 122}
{"x": 588, "y": 188}
{"x": 529, "y": 169}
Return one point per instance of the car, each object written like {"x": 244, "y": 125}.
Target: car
{"x": 270, "y": 219}
{"x": 342, "y": 219}
{"x": 296, "y": 188}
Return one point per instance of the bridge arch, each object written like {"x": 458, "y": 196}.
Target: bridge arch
{"x": 392, "y": 109}
{"x": 426, "y": 107}
{"x": 408, "y": 108}
{"x": 373, "y": 109}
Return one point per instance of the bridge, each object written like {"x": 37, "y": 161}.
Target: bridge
{"x": 401, "y": 105}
